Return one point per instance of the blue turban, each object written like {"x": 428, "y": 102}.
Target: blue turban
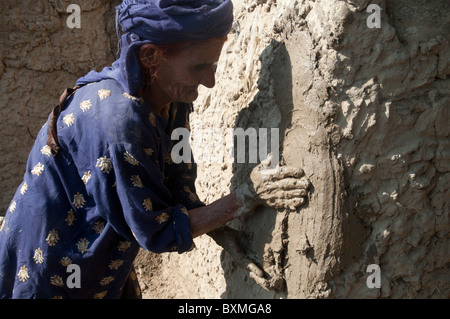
{"x": 161, "y": 22}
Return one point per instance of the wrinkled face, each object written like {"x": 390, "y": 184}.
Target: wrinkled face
{"x": 180, "y": 75}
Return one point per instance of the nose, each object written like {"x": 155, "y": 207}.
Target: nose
{"x": 208, "y": 77}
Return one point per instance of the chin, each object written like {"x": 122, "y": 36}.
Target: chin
{"x": 189, "y": 98}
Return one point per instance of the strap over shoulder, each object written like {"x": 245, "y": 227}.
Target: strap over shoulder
{"x": 52, "y": 138}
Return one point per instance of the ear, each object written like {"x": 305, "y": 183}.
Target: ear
{"x": 147, "y": 55}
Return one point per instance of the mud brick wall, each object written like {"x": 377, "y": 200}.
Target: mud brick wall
{"x": 363, "y": 110}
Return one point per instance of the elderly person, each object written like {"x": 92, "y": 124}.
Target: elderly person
{"x": 99, "y": 181}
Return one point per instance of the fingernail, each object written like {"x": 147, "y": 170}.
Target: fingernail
{"x": 255, "y": 269}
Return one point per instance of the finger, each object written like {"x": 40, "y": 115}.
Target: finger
{"x": 284, "y": 194}
{"x": 255, "y": 270}
{"x": 260, "y": 281}
{"x": 268, "y": 161}
{"x": 228, "y": 239}
{"x": 241, "y": 259}
{"x": 294, "y": 203}
{"x": 291, "y": 204}
{"x": 284, "y": 184}
{"x": 282, "y": 172}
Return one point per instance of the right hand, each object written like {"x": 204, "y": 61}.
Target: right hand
{"x": 279, "y": 187}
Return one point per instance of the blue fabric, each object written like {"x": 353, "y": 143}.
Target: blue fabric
{"x": 168, "y": 21}
{"x": 161, "y": 22}
{"x": 110, "y": 190}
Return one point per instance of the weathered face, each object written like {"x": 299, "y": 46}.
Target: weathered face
{"x": 179, "y": 76}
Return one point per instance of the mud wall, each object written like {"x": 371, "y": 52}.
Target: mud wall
{"x": 364, "y": 111}
{"x": 39, "y": 57}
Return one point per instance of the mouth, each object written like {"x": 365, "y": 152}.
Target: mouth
{"x": 193, "y": 88}
{"x": 189, "y": 94}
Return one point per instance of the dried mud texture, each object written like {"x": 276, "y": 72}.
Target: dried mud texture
{"x": 392, "y": 115}
{"x": 364, "y": 112}
{"x": 39, "y": 57}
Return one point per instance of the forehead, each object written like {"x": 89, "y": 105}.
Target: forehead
{"x": 202, "y": 52}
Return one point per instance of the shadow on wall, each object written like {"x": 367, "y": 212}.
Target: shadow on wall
{"x": 271, "y": 107}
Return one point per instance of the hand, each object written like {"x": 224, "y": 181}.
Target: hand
{"x": 232, "y": 241}
{"x": 279, "y": 187}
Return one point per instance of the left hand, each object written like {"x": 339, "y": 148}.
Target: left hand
{"x": 232, "y": 241}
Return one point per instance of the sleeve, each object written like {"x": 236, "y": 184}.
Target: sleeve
{"x": 130, "y": 191}
{"x": 181, "y": 177}
{"x": 180, "y": 181}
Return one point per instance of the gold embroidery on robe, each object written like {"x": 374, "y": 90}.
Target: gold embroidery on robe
{"x": 86, "y": 177}
{"x": 78, "y": 200}
{"x": 137, "y": 182}
{"x": 85, "y": 105}
{"x": 107, "y": 280}
{"x": 38, "y": 256}
{"x": 148, "y": 151}
{"x": 123, "y": 246}
{"x": 162, "y": 218}
{"x": 148, "y": 205}
{"x": 69, "y": 119}
{"x": 98, "y": 227}
{"x": 100, "y": 295}
{"x": 70, "y": 218}
{"x": 103, "y": 94}
{"x": 104, "y": 164}
{"x": 65, "y": 261}
{"x": 46, "y": 150}
{"x": 130, "y": 159}
{"x": 12, "y": 207}
{"x": 52, "y": 237}
{"x": 57, "y": 281}
{"x": 38, "y": 169}
{"x": 115, "y": 264}
{"x": 24, "y": 188}
{"x": 23, "y": 274}
{"x": 82, "y": 245}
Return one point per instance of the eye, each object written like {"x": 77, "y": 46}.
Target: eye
{"x": 206, "y": 66}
